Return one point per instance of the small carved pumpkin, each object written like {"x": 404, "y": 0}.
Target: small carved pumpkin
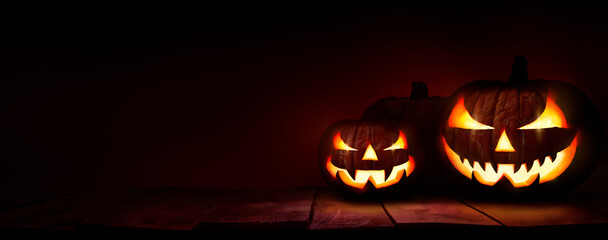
{"x": 523, "y": 134}
{"x": 364, "y": 156}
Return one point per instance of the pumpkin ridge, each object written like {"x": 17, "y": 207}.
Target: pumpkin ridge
{"x": 384, "y": 107}
{"x": 476, "y": 102}
{"x": 464, "y": 94}
{"x": 353, "y": 159}
{"x": 522, "y": 145}
{"x": 505, "y": 112}
{"x": 522, "y": 137}
{"x": 479, "y": 138}
{"x": 346, "y": 138}
{"x": 403, "y": 110}
{"x": 494, "y": 121}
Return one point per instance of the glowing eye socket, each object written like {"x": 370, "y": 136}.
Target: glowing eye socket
{"x": 551, "y": 117}
{"x": 399, "y": 144}
{"x": 340, "y": 145}
{"x": 460, "y": 118}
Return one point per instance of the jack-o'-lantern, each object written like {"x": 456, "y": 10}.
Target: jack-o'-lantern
{"x": 522, "y": 134}
{"x": 364, "y": 156}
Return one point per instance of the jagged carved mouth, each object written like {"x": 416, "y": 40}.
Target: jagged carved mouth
{"x": 487, "y": 175}
{"x": 376, "y": 177}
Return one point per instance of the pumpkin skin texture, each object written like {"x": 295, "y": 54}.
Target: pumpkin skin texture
{"x": 521, "y": 136}
{"x": 418, "y": 111}
{"x": 366, "y": 156}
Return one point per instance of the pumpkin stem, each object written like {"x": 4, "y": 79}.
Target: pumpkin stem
{"x": 519, "y": 71}
{"x": 419, "y": 90}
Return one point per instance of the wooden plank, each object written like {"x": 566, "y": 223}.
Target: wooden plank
{"x": 18, "y": 197}
{"x": 281, "y": 208}
{"x": 66, "y": 212}
{"x": 433, "y": 211}
{"x": 335, "y": 211}
{"x": 179, "y": 208}
{"x": 537, "y": 213}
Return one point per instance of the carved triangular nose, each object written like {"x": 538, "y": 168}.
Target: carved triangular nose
{"x": 504, "y": 145}
{"x": 370, "y": 154}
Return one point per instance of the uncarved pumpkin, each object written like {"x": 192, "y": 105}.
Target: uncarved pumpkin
{"x": 521, "y": 135}
{"x": 418, "y": 111}
{"x": 422, "y": 116}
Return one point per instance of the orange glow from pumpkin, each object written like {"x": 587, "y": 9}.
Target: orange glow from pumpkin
{"x": 460, "y": 118}
{"x": 562, "y": 161}
{"x": 401, "y": 143}
{"x": 549, "y": 170}
{"x": 504, "y": 145}
{"x": 551, "y": 117}
{"x": 370, "y": 154}
{"x": 376, "y": 177}
{"x": 340, "y": 145}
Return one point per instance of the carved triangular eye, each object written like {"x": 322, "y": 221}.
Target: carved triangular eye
{"x": 460, "y": 118}
{"x": 401, "y": 143}
{"x": 551, "y": 117}
{"x": 340, "y": 145}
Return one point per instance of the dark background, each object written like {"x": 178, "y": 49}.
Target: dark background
{"x": 237, "y": 95}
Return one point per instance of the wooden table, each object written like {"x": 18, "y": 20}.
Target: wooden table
{"x": 307, "y": 209}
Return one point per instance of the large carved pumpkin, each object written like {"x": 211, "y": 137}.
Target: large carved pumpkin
{"x": 365, "y": 156}
{"x": 522, "y": 135}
